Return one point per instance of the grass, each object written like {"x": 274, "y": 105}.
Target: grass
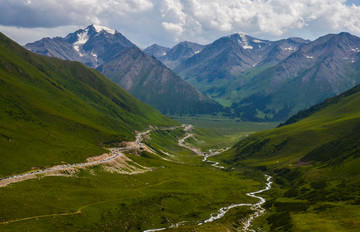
{"x": 96, "y": 200}
{"x": 314, "y": 162}
{"x": 333, "y": 217}
{"x": 219, "y": 132}
{"x": 165, "y": 143}
{"x": 55, "y": 111}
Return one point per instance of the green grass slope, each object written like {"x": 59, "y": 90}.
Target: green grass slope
{"x": 315, "y": 163}
{"x": 55, "y": 111}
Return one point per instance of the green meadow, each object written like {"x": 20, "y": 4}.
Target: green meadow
{"x": 213, "y": 132}
{"x": 181, "y": 189}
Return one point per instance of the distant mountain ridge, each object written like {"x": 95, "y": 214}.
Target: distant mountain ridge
{"x": 272, "y": 80}
{"x": 231, "y": 55}
{"x": 260, "y": 80}
{"x": 180, "y": 52}
{"x": 323, "y": 68}
{"x": 126, "y": 64}
{"x": 156, "y": 50}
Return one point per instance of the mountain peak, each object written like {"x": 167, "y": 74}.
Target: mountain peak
{"x": 241, "y": 35}
{"x": 156, "y": 46}
{"x": 85, "y": 33}
{"x": 242, "y": 40}
{"x": 156, "y": 50}
{"x": 339, "y": 36}
{"x": 89, "y": 45}
{"x": 99, "y": 29}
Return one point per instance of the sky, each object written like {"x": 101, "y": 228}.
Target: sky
{"x": 167, "y": 22}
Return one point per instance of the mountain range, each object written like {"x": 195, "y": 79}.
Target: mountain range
{"x": 272, "y": 80}
{"x": 258, "y": 80}
{"x": 156, "y": 50}
{"x": 320, "y": 69}
{"x": 231, "y": 55}
{"x": 172, "y": 57}
{"x": 123, "y": 62}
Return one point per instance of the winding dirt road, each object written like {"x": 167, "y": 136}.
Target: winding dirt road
{"x": 115, "y": 153}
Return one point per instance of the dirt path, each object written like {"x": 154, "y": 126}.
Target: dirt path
{"x": 115, "y": 157}
{"x": 212, "y": 152}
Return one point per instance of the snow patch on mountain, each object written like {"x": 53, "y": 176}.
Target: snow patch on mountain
{"x": 257, "y": 41}
{"x": 99, "y": 29}
{"x": 243, "y": 37}
{"x": 82, "y": 39}
{"x": 289, "y": 49}
{"x": 247, "y": 46}
{"x": 244, "y": 42}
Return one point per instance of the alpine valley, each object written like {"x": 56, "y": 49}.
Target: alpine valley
{"x": 243, "y": 134}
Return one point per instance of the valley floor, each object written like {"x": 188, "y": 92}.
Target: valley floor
{"x": 175, "y": 187}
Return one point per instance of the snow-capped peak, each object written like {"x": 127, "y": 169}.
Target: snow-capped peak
{"x": 242, "y": 36}
{"x": 98, "y": 29}
{"x": 243, "y": 41}
{"x": 83, "y": 36}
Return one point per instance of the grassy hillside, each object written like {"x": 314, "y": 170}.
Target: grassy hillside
{"x": 314, "y": 162}
{"x": 55, "y": 111}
